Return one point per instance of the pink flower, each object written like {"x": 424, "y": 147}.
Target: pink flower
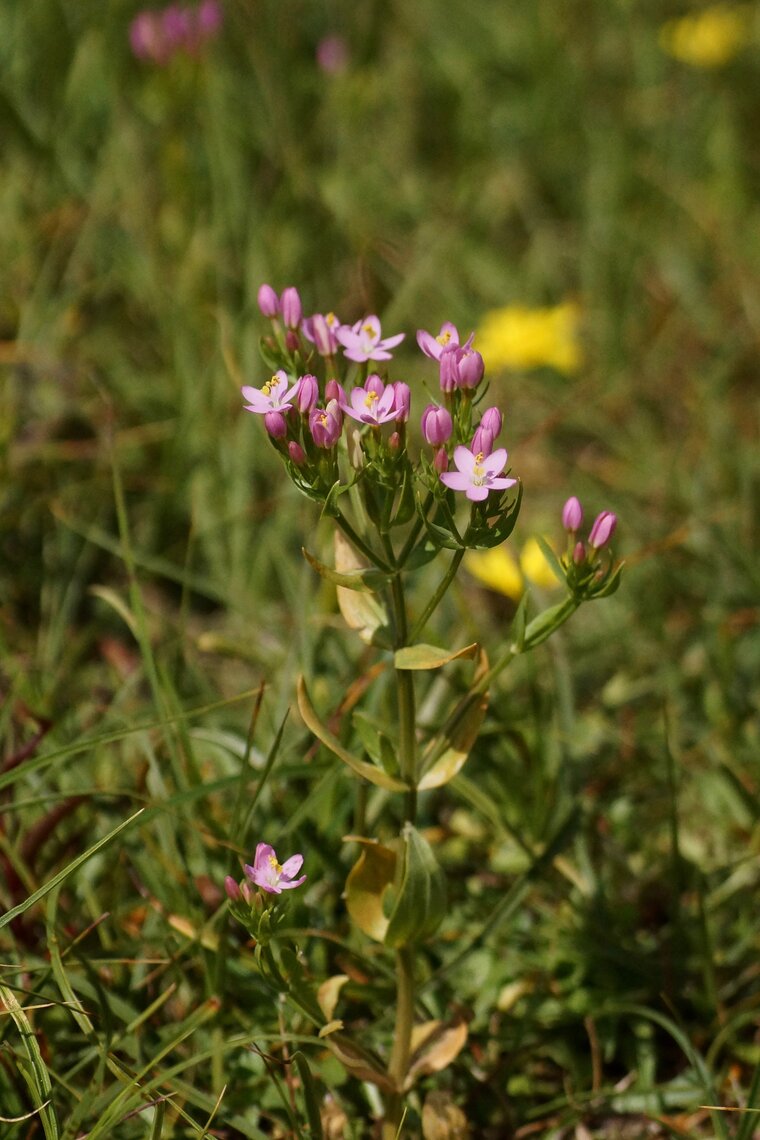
{"x": 476, "y": 475}
{"x": 460, "y": 367}
{"x": 325, "y": 424}
{"x": 572, "y": 515}
{"x": 482, "y": 441}
{"x": 321, "y": 331}
{"x": 363, "y": 341}
{"x": 274, "y": 396}
{"x": 602, "y": 530}
{"x": 332, "y": 54}
{"x": 296, "y": 453}
{"x": 272, "y": 876}
{"x": 448, "y": 337}
{"x": 373, "y": 404}
{"x": 275, "y": 424}
{"x": 437, "y": 425}
{"x": 491, "y": 420}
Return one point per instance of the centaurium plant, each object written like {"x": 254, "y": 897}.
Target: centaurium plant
{"x": 398, "y": 501}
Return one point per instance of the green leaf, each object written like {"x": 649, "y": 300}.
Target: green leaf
{"x": 447, "y": 752}
{"x": 421, "y": 899}
{"x": 545, "y": 624}
{"x": 36, "y": 1075}
{"x": 322, "y": 732}
{"x": 310, "y": 1095}
{"x": 359, "y": 579}
{"x": 430, "y": 656}
{"x": 551, "y": 558}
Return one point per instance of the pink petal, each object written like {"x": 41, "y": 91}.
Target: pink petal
{"x": 494, "y": 463}
{"x": 292, "y": 866}
{"x": 283, "y": 886}
{"x": 464, "y": 460}
{"x": 456, "y": 480}
{"x": 477, "y": 494}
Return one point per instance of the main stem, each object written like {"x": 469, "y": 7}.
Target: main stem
{"x": 402, "y": 1034}
{"x": 399, "y": 1062}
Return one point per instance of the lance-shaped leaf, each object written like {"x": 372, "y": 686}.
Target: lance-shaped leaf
{"x": 545, "y": 624}
{"x": 420, "y": 903}
{"x": 363, "y": 611}
{"x": 447, "y": 752}
{"x": 329, "y": 992}
{"x": 368, "y": 880}
{"x": 359, "y": 579}
{"x": 434, "y": 1045}
{"x": 430, "y": 656}
{"x": 359, "y": 1062}
{"x": 322, "y": 732}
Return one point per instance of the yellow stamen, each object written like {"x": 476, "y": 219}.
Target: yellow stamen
{"x": 368, "y": 329}
{"x": 369, "y": 399}
{"x": 273, "y": 863}
{"x": 443, "y": 338}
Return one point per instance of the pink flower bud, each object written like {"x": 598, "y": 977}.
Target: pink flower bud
{"x": 491, "y": 420}
{"x": 332, "y": 54}
{"x": 602, "y": 530}
{"x": 394, "y": 441}
{"x": 482, "y": 441}
{"x": 437, "y": 425}
{"x": 579, "y": 553}
{"x": 402, "y": 401}
{"x": 296, "y": 453}
{"x": 209, "y": 17}
{"x": 275, "y": 424}
{"x": 471, "y": 368}
{"x": 572, "y": 515}
{"x": 321, "y": 330}
{"x": 292, "y": 340}
{"x": 290, "y": 306}
{"x": 334, "y": 390}
{"x": 449, "y": 372}
{"x": 308, "y": 393}
{"x": 233, "y": 889}
{"x": 441, "y": 461}
{"x": 268, "y": 301}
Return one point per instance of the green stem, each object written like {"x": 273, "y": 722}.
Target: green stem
{"x": 437, "y": 597}
{"x": 413, "y": 535}
{"x": 402, "y": 1040}
{"x": 406, "y": 701}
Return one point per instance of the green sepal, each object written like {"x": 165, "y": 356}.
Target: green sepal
{"x": 551, "y": 558}
{"x": 420, "y": 903}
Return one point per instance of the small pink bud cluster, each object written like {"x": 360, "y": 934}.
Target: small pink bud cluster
{"x": 460, "y": 366}
{"x": 600, "y": 534}
{"x": 158, "y": 35}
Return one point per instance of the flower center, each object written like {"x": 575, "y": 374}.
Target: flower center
{"x": 276, "y": 867}
{"x": 368, "y": 329}
{"x": 443, "y": 338}
{"x": 369, "y": 399}
{"x": 331, "y": 320}
{"x": 267, "y": 388}
{"x": 478, "y": 472}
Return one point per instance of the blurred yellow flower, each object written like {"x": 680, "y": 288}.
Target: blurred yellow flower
{"x": 708, "y": 38}
{"x": 498, "y": 570}
{"x": 519, "y": 337}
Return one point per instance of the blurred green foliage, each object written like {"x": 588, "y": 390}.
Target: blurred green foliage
{"x": 467, "y": 157}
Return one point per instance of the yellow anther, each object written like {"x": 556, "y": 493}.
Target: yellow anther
{"x": 443, "y": 338}
{"x": 369, "y": 399}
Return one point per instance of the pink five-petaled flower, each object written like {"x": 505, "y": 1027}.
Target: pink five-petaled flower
{"x": 321, "y": 330}
{"x": 448, "y": 337}
{"x": 363, "y": 340}
{"x": 476, "y": 475}
{"x": 375, "y": 403}
{"x": 272, "y": 876}
{"x": 274, "y": 396}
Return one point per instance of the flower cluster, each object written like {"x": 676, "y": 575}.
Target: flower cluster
{"x": 585, "y": 574}
{"x": 337, "y": 419}
{"x": 158, "y": 35}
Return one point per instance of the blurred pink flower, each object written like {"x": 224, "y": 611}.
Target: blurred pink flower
{"x": 158, "y": 35}
{"x": 332, "y": 54}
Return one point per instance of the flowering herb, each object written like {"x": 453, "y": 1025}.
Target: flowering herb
{"x": 363, "y": 341}
{"x": 477, "y": 474}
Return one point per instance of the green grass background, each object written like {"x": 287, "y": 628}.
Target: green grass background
{"x": 471, "y": 155}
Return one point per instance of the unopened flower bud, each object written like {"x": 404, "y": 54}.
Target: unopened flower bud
{"x": 334, "y": 390}
{"x": 394, "y": 441}
{"x": 491, "y": 420}
{"x": 579, "y": 553}
{"x": 232, "y": 888}
{"x": 572, "y": 515}
{"x": 602, "y": 530}
{"x": 321, "y": 331}
{"x": 290, "y": 306}
{"x": 482, "y": 441}
{"x": 437, "y": 425}
{"x": 308, "y": 393}
{"x": 326, "y": 424}
{"x": 292, "y": 340}
{"x": 275, "y": 424}
{"x": 449, "y": 374}
{"x": 296, "y": 453}
{"x": 268, "y": 301}
{"x": 441, "y": 461}
{"x": 402, "y": 401}
{"x": 471, "y": 368}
